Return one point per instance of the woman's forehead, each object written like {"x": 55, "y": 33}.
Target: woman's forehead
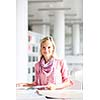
{"x": 47, "y": 42}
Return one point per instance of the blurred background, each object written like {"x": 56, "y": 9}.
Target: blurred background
{"x": 61, "y": 19}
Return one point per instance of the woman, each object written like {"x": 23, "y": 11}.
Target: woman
{"x": 50, "y": 71}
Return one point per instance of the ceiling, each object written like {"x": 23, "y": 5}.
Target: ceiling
{"x": 42, "y": 11}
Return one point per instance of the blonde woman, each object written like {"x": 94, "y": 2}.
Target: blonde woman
{"x": 50, "y": 71}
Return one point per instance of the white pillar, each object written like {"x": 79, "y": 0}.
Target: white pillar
{"x": 22, "y": 41}
{"x": 68, "y": 39}
{"x": 45, "y": 27}
{"x": 46, "y": 30}
{"x": 59, "y": 33}
{"x": 76, "y": 39}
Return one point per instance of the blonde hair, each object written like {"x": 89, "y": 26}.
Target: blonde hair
{"x": 53, "y": 44}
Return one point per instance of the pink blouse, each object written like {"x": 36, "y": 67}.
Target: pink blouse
{"x": 58, "y": 75}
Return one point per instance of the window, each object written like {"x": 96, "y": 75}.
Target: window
{"x": 29, "y": 58}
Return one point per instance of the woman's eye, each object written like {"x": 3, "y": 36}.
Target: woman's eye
{"x": 43, "y": 47}
{"x": 48, "y": 47}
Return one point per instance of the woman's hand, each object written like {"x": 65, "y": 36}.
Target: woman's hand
{"x": 24, "y": 84}
{"x": 51, "y": 86}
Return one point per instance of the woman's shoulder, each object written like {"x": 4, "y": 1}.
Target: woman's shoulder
{"x": 59, "y": 59}
{"x": 37, "y": 64}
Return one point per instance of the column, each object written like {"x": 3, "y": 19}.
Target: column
{"x": 68, "y": 40}
{"x": 76, "y": 39}
{"x": 22, "y": 41}
{"x": 45, "y": 26}
{"x": 59, "y": 33}
{"x": 46, "y": 30}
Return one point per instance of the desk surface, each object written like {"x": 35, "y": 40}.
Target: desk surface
{"x": 49, "y": 94}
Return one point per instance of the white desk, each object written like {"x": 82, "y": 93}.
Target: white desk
{"x": 28, "y": 95}
{"x": 50, "y": 94}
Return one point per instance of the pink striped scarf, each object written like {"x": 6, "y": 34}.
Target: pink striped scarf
{"x": 46, "y": 67}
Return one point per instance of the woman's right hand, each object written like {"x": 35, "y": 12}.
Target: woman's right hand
{"x": 24, "y": 84}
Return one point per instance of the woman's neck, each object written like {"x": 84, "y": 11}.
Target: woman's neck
{"x": 47, "y": 59}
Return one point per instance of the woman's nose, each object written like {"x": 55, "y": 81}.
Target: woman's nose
{"x": 46, "y": 49}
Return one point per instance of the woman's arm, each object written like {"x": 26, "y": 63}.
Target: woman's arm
{"x": 65, "y": 84}
{"x": 26, "y": 84}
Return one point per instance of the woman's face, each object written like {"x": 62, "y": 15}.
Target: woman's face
{"x": 47, "y": 49}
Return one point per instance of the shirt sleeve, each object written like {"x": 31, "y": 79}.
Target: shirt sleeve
{"x": 64, "y": 70}
{"x": 36, "y": 73}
